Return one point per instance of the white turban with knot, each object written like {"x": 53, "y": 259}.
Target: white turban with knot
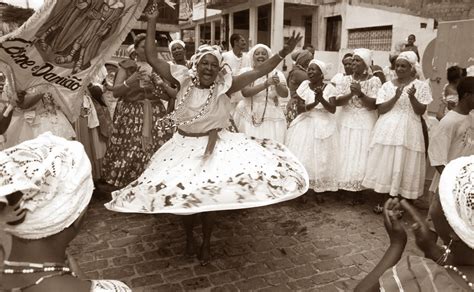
{"x": 54, "y": 176}
{"x": 205, "y": 50}
{"x": 412, "y": 58}
{"x": 180, "y": 42}
{"x": 322, "y": 66}
{"x": 366, "y": 56}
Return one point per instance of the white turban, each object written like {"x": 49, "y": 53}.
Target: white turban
{"x": 255, "y": 48}
{"x": 205, "y": 50}
{"x": 456, "y": 194}
{"x": 54, "y": 175}
{"x": 470, "y": 71}
{"x": 180, "y": 42}
{"x": 365, "y": 55}
{"x": 324, "y": 68}
{"x": 409, "y": 56}
{"x": 412, "y": 58}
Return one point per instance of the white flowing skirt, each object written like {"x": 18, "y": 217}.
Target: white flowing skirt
{"x": 273, "y": 126}
{"x": 313, "y": 139}
{"x": 353, "y": 152}
{"x": 396, "y": 170}
{"x": 242, "y": 172}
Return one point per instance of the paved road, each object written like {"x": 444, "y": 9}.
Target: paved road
{"x": 290, "y": 246}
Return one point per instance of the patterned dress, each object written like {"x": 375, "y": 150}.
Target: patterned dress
{"x": 129, "y": 151}
{"x": 242, "y": 172}
{"x": 398, "y": 138}
{"x": 355, "y": 130}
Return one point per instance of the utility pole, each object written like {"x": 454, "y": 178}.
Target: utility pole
{"x": 205, "y": 19}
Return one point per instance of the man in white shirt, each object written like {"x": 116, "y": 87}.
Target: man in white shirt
{"x": 237, "y": 59}
{"x": 454, "y": 136}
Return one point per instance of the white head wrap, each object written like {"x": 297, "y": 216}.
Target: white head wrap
{"x": 456, "y": 193}
{"x": 470, "y": 71}
{"x": 255, "y": 48}
{"x": 365, "y": 55}
{"x": 55, "y": 178}
{"x": 170, "y": 46}
{"x": 205, "y": 50}
{"x": 324, "y": 68}
{"x": 412, "y": 58}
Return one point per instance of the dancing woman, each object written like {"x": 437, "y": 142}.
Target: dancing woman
{"x": 235, "y": 172}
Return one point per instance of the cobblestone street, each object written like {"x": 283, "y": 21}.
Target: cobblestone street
{"x": 291, "y": 246}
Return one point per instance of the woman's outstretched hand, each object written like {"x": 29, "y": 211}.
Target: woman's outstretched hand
{"x": 290, "y": 45}
{"x": 425, "y": 239}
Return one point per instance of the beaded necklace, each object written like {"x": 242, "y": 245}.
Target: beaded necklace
{"x": 30, "y": 268}
{"x": 461, "y": 274}
{"x": 256, "y": 123}
{"x": 170, "y": 121}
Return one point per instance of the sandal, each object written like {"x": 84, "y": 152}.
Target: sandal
{"x": 378, "y": 209}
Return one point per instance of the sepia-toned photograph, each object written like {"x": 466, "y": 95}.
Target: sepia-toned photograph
{"x": 232, "y": 145}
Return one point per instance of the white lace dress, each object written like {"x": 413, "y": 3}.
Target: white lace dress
{"x": 242, "y": 172}
{"x": 313, "y": 138}
{"x": 355, "y": 130}
{"x": 396, "y": 162}
{"x": 264, "y": 105}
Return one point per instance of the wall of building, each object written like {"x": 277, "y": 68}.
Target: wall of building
{"x": 438, "y": 9}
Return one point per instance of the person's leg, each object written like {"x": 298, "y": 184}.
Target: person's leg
{"x": 188, "y": 223}
{"x": 207, "y": 226}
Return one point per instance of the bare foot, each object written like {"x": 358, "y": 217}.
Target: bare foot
{"x": 205, "y": 254}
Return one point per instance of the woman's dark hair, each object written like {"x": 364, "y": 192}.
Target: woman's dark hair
{"x": 233, "y": 38}
{"x": 454, "y": 73}
{"x": 138, "y": 39}
{"x": 465, "y": 86}
{"x": 347, "y": 55}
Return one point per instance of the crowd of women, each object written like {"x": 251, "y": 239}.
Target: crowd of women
{"x": 194, "y": 137}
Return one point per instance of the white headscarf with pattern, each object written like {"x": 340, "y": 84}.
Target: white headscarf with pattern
{"x": 456, "y": 194}
{"x": 54, "y": 176}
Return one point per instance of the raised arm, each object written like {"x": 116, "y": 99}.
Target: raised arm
{"x": 160, "y": 66}
{"x": 242, "y": 80}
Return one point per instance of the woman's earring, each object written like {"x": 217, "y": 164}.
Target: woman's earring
{"x": 447, "y": 251}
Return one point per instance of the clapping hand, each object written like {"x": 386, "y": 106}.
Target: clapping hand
{"x": 392, "y": 222}
{"x": 318, "y": 94}
{"x": 356, "y": 89}
{"x": 411, "y": 91}
{"x": 399, "y": 91}
{"x": 290, "y": 45}
{"x": 274, "y": 80}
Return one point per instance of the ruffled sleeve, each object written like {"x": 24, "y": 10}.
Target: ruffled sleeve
{"x": 374, "y": 86}
{"x": 180, "y": 73}
{"x": 440, "y": 142}
{"x": 385, "y": 93}
{"x": 423, "y": 93}
{"x": 329, "y": 91}
{"x": 305, "y": 93}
